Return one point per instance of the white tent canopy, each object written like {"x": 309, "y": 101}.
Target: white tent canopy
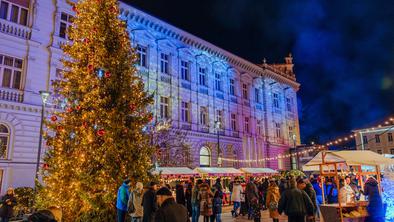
{"x": 258, "y": 171}
{"x": 174, "y": 171}
{"x": 349, "y": 157}
{"x": 218, "y": 171}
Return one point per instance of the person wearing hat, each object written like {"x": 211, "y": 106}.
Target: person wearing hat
{"x": 135, "y": 203}
{"x": 169, "y": 210}
{"x": 272, "y": 200}
{"x": 122, "y": 199}
{"x": 149, "y": 203}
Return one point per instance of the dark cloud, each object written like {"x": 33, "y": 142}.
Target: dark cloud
{"x": 343, "y": 51}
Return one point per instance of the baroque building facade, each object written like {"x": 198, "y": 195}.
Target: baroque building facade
{"x": 377, "y": 139}
{"x": 227, "y": 107}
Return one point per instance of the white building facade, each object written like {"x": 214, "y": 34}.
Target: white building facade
{"x": 196, "y": 85}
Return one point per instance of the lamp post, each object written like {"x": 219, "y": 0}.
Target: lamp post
{"x": 44, "y": 97}
{"x": 217, "y": 127}
{"x": 295, "y": 150}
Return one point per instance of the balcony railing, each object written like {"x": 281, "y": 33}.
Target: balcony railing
{"x": 12, "y": 95}
{"x": 14, "y": 29}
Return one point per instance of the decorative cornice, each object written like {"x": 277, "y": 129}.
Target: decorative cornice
{"x": 20, "y": 107}
{"x": 132, "y": 14}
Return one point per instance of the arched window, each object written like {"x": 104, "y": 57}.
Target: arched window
{"x": 205, "y": 157}
{"x": 4, "y": 141}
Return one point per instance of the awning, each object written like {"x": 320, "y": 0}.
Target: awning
{"x": 352, "y": 158}
{"x": 218, "y": 171}
{"x": 174, "y": 172}
{"x": 259, "y": 171}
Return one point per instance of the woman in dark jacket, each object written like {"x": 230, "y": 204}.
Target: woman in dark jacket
{"x": 8, "y": 201}
{"x": 188, "y": 197}
{"x": 375, "y": 206}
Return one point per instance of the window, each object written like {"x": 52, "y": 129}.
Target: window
{"x": 390, "y": 137}
{"x": 142, "y": 52}
{"x": 164, "y": 107}
{"x": 276, "y": 101}
{"x": 185, "y": 112}
{"x": 391, "y": 151}
{"x": 377, "y": 138}
{"x": 365, "y": 139}
{"x": 219, "y": 118}
{"x": 203, "y": 116}
{"x": 291, "y": 133}
{"x": 185, "y": 73}
{"x": 10, "y": 72}
{"x": 164, "y": 63}
{"x": 203, "y": 76}
{"x": 65, "y": 22}
{"x": 246, "y": 126}
{"x": 260, "y": 127}
{"x": 205, "y": 157}
{"x": 234, "y": 122}
{"x": 245, "y": 91}
{"x": 379, "y": 151}
{"x": 278, "y": 130}
{"x": 218, "y": 82}
{"x": 257, "y": 95}
{"x": 4, "y": 141}
{"x": 232, "y": 87}
{"x": 13, "y": 12}
{"x": 288, "y": 105}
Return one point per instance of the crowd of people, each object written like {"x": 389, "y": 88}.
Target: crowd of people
{"x": 298, "y": 198}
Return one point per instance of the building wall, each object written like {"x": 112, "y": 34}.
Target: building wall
{"x": 38, "y": 45}
{"x": 379, "y": 140}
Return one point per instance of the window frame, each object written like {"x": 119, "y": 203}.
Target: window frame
{"x": 365, "y": 139}
{"x": 208, "y": 156}
{"x": 202, "y": 76}
{"x": 165, "y": 63}
{"x": 232, "y": 87}
{"x": 142, "y": 52}
{"x": 185, "y": 111}
{"x": 67, "y": 23}
{"x": 233, "y": 120}
{"x": 377, "y": 138}
{"x": 164, "y": 108}
{"x": 257, "y": 95}
{"x": 245, "y": 91}
{"x": 247, "y": 124}
{"x": 390, "y": 137}
{"x": 185, "y": 70}
{"x": 218, "y": 82}
{"x": 203, "y": 115}
{"x": 278, "y": 130}
{"x": 275, "y": 100}
{"x": 9, "y": 12}
{"x": 7, "y": 136}
{"x": 15, "y": 70}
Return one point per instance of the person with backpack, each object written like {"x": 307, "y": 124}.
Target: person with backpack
{"x": 272, "y": 200}
{"x": 134, "y": 206}
{"x": 122, "y": 200}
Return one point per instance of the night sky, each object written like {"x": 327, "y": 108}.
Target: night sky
{"x": 343, "y": 51}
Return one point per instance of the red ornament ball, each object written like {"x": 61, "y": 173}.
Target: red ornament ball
{"x": 101, "y": 132}
{"x": 150, "y": 118}
{"x": 78, "y": 108}
{"x": 107, "y": 74}
{"x": 59, "y": 128}
{"x": 132, "y": 107}
{"x": 69, "y": 109}
{"x": 90, "y": 68}
{"x": 45, "y": 166}
{"x": 54, "y": 118}
{"x": 85, "y": 124}
{"x": 74, "y": 8}
{"x": 86, "y": 41}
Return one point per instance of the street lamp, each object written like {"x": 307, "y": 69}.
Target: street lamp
{"x": 217, "y": 127}
{"x": 295, "y": 149}
{"x": 44, "y": 97}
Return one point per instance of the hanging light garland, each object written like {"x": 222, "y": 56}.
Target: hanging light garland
{"x": 314, "y": 147}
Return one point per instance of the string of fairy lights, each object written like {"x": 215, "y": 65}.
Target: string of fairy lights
{"x": 338, "y": 141}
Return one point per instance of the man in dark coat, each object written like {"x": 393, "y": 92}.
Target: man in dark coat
{"x": 375, "y": 207}
{"x": 295, "y": 203}
{"x": 169, "y": 210}
{"x": 8, "y": 202}
{"x": 180, "y": 194}
{"x": 252, "y": 195}
{"x": 308, "y": 188}
{"x": 149, "y": 203}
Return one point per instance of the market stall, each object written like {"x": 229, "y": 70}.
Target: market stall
{"x": 335, "y": 163}
{"x": 169, "y": 174}
{"x": 226, "y": 174}
{"x": 258, "y": 172}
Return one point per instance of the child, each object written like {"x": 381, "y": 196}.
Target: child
{"x": 217, "y": 206}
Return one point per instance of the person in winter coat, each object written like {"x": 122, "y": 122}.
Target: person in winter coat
{"x": 188, "y": 197}
{"x": 122, "y": 199}
{"x": 252, "y": 195}
{"x": 272, "y": 200}
{"x": 308, "y": 188}
{"x": 135, "y": 202}
{"x": 331, "y": 192}
{"x": 295, "y": 203}
{"x": 217, "y": 206}
{"x": 149, "y": 203}
{"x": 205, "y": 197}
{"x": 180, "y": 194}
{"x": 283, "y": 185}
{"x": 169, "y": 210}
{"x": 8, "y": 201}
{"x": 196, "y": 201}
{"x": 375, "y": 207}
{"x": 236, "y": 197}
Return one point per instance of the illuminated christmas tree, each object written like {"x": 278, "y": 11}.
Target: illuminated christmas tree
{"x": 98, "y": 140}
